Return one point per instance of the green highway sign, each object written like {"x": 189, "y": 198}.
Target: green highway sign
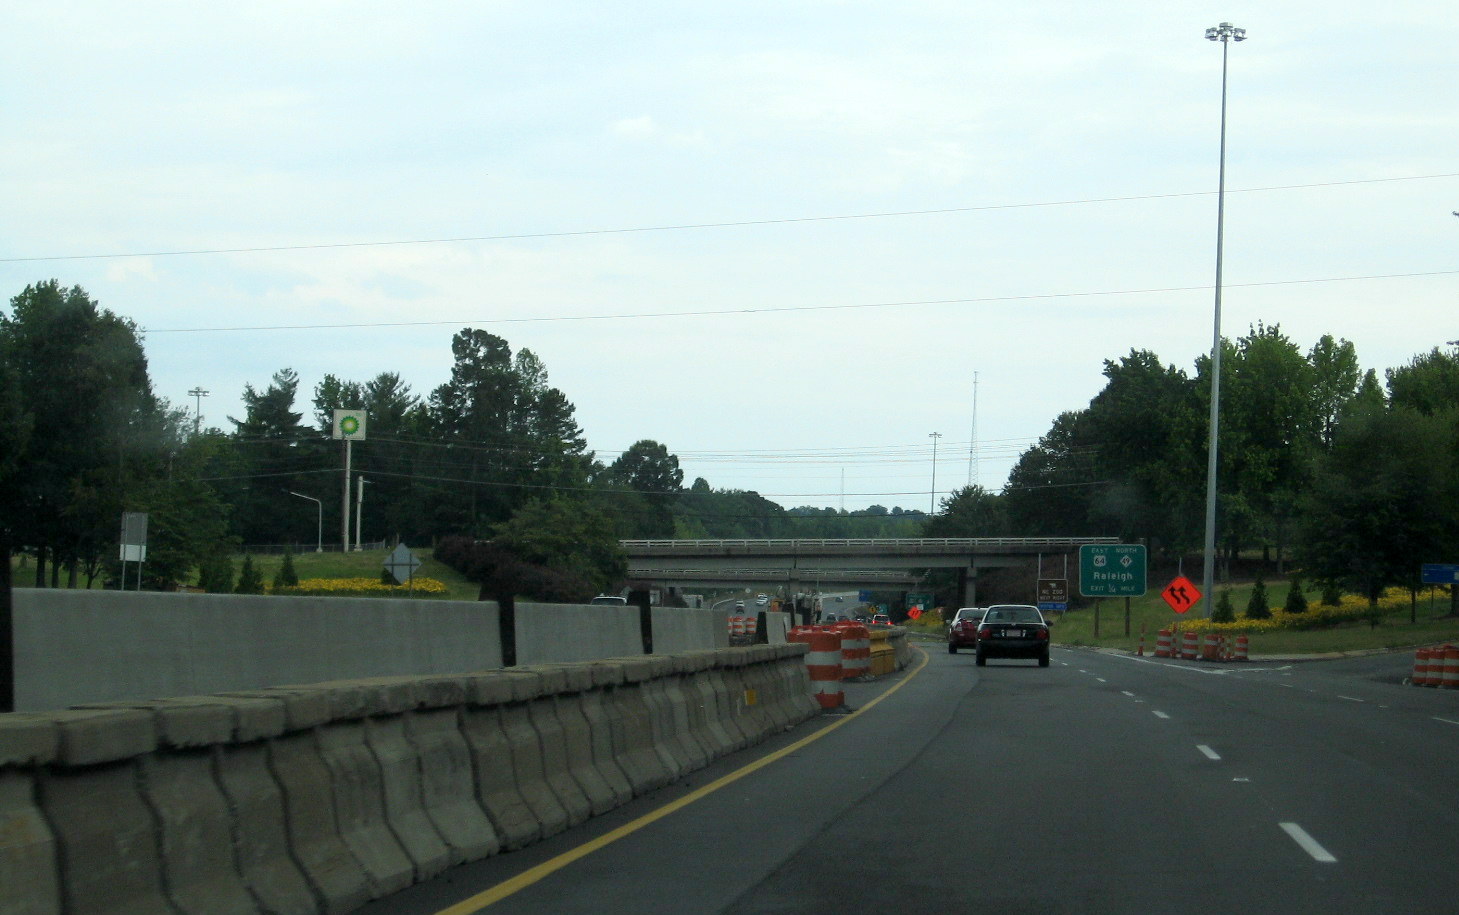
{"x": 1112, "y": 570}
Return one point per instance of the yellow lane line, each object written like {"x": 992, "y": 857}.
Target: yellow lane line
{"x": 532, "y": 875}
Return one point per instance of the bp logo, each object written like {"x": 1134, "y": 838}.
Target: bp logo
{"x": 349, "y": 424}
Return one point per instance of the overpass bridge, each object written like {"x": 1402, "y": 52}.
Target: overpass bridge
{"x": 816, "y": 578}
{"x": 799, "y": 560}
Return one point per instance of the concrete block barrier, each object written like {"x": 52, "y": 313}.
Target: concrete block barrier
{"x": 448, "y": 787}
{"x": 491, "y": 760}
{"x": 316, "y": 798}
{"x": 28, "y": 852}
{"x": 404, "y": 802}
{"x": 598, "y": 714}
{"x": 335, "y": 875}
{"x": 525, "y": 755}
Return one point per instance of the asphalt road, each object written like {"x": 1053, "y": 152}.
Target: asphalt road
{"x": 1103, "y": 783}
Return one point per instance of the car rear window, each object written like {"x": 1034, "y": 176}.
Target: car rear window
{"x": 1013, "y": 615}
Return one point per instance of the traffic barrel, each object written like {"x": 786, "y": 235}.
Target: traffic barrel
{"x": 737, "y": 627}
{"x": 1188, "y": 646}
{"x": 823, "y": 663}
{"x": 1242, "y": 645}
{"x": 1162, "y": 644}
{"x": 1420, "y": 667}
{"x": 1449, "y": 679}
{"x": 1210, "y": 647}
{"x": 751, "y": 627}
{"x": 855, "y": 650}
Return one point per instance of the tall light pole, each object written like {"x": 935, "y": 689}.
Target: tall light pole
{"x": 932, "y": 510}
{"x": 1224, "y": 33}
{"x": 319, "y": 534}
{"x": 198, "y": 394}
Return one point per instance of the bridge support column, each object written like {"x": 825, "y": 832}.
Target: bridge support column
{"x": 967, "y": 587}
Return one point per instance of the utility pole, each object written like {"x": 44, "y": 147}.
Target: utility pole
{"x": 932, "y": 509}
{"x": 973, "y": 437}
{"x": 198, "y": 394}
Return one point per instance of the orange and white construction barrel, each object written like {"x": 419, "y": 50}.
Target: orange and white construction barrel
{"x": 1162, "y": 643}
{"x": 1188, "y": 646}
{"x": 1449, "y": 679}
{"x": 855, "y": 651}
{"x": 823, "y": 663}
{"x": 1420, "y": 667}
{"x": 1242, "y": 646}
{"x": 1211, "y": 647}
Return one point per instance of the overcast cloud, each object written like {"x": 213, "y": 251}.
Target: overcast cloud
{"x": 143, "y": 128}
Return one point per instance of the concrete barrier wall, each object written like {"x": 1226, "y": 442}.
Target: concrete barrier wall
{"x": 96, "y": 646}
{"x": 321, "y": 797}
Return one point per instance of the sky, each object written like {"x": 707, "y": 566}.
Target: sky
{"x": 791, "y": 241}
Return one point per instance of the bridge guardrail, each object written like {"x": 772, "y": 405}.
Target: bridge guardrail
{"x": 911, "y": 544}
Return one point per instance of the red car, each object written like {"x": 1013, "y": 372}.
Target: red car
{"x": 962, "y": 632}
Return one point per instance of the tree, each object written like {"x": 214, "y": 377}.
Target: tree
{"x": 1224, "y": 612}
{"x": 286, "y": 576}
{"x": 1050, "y": 487}
{"x": 569, "y": 536}
{"x": 276, "y": 453}
{"x": 648, "y": 469}
{"x": 971, "y": 511}
{"x": 1296, "y": 599}
{"x": 1257, "y": 607}
{"x": 1335, "y": 377}
{"x": 1381, "y": 500}
{"x": 250, "y": 580}
{"x": 80, "y": 369}
{"x": 1429, "y": 383}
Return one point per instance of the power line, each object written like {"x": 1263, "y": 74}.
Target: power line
{"x": 790, "y": 220}
{"x": 780, "y": 309}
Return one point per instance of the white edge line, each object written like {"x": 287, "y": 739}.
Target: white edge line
{"x": 1309, "y": 844}
{"x": 1210, "y": 753}
{"x": 1445, "y": 720}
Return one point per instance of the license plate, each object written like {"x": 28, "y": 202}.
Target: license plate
{"x": 1013, "y": 633}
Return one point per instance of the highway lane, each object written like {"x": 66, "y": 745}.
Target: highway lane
{"x": 1100, "y": 784}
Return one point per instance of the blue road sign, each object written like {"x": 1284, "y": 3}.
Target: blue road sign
{"x": 1440, "y": 573}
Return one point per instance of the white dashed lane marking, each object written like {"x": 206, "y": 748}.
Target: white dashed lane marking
{"x": 1308, "y": 844}
{"x": 1209, "y": 753}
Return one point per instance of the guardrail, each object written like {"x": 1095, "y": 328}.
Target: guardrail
{"x": 898, "y": 544}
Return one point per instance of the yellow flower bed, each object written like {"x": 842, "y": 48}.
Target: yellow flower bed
{"x": 1350, "y": 608}
{"x": 359, "y": 587}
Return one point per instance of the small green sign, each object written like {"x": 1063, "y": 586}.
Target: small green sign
{"x": 1112, "y": 570}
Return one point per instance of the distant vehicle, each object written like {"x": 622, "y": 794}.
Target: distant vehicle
{"x": 609, "y": 599}
{"x": 839, "y": 598}
{"x": 762, "y": 600}
{"x": 827, "y": 618}
{"x": 739, "y": 605}
{"x": 962, "y": 632}
{"x": 881, "y": 619}
{"x": 1013, "y": 631}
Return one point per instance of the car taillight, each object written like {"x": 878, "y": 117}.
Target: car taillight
{"x": 1043, "y": 634}
{"x": 985, "y": 632}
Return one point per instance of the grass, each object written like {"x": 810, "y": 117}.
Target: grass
{"x": 1151, "y": 612}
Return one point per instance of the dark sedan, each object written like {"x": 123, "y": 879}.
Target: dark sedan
{"x": 1013, "y": 631}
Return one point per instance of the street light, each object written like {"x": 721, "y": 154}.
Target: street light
{"x": 932, "y": 510}
{"x": 319, "y": 534}
{"x": 1224, "y": 33}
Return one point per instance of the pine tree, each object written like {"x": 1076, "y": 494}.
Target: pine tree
{"x": 1296, "y": 600}
{"x": 1257, "y": 608}
{"x": 1331, "y": 594}
{"x": 286, "y": 577}
{"x": 215, "y": 574}
{"x": 1224, "y": 612}
{"x": 250, "y": 580}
